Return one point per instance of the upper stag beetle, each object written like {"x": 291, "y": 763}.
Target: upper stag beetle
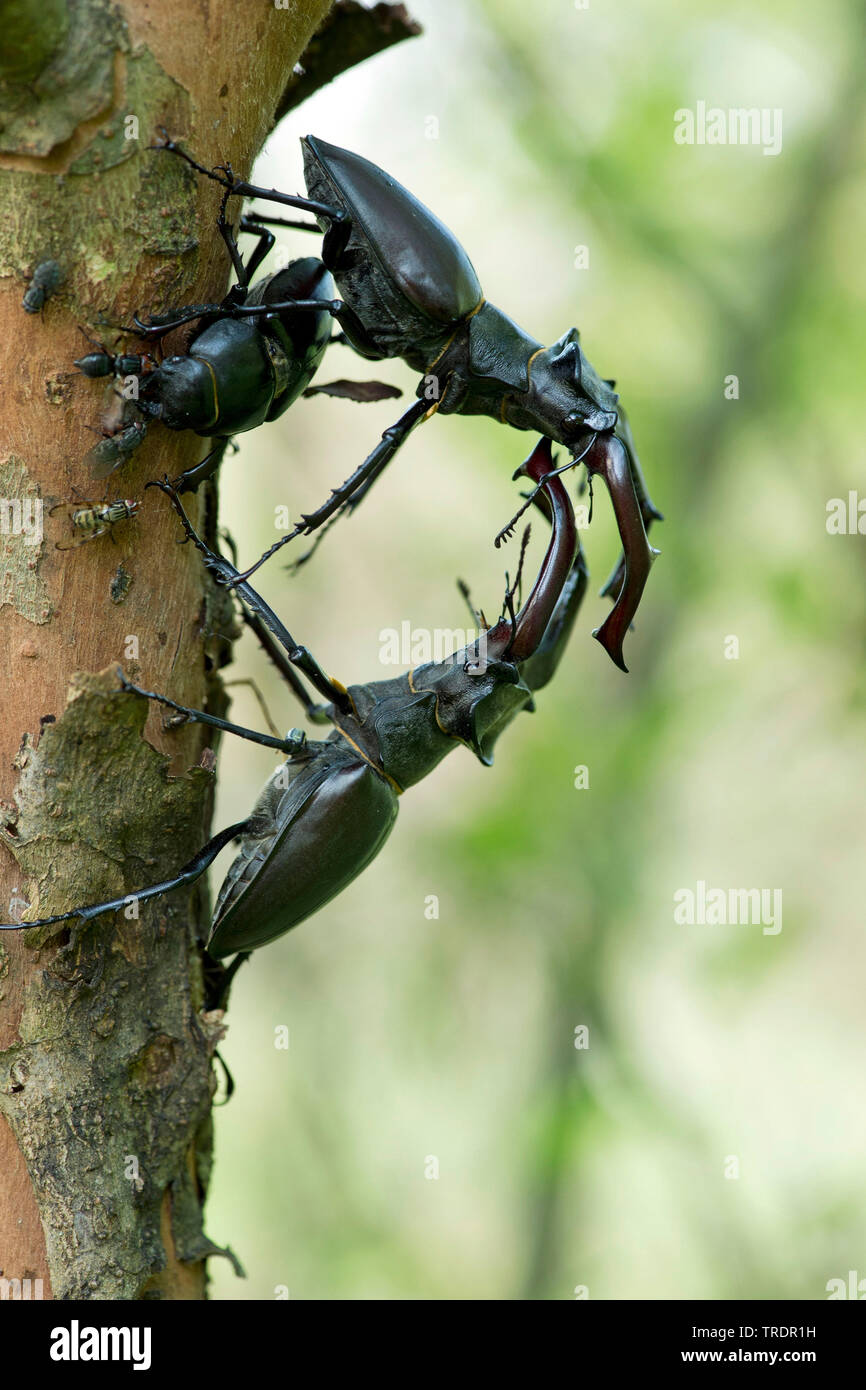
{"x": 409, "y": 290}
{"x": 327, "y": 811}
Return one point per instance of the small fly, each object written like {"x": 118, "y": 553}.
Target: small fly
{"x": 91, "y": 519}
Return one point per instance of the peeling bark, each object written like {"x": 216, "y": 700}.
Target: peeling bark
{"x": 106, "y": 1044}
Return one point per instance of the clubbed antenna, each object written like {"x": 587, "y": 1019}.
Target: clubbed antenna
{"x": 508, "y": 531}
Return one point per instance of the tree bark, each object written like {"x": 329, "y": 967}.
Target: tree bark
{"x": 106, "y": 1075}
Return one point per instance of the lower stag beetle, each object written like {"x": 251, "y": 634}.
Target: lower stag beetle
{"x": 327, "y": 811}
{"x": 409, "y": 290}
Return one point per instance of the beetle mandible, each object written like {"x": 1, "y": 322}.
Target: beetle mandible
{"x": 409, "y": 290}
{"x": 327, "y": 811}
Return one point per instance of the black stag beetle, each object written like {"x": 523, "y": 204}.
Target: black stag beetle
{"x": 409, "y": 290}
{"x": 327, "y": 811}
{"x": 237, "y": 373}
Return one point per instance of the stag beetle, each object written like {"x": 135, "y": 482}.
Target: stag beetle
{"x": 237, "y": 373}
{"x": 327, "y": 811}
{"x": 409, "y": 290}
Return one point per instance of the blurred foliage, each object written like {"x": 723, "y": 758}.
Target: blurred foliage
{"x": 605, "y": 1167}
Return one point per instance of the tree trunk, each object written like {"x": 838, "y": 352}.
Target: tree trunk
{"x": 106, "y": 1048}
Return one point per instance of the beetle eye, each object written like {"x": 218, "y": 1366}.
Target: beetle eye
{"x": 572, "y": 418}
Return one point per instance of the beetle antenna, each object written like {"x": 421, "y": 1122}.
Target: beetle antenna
{"x": 512, "y": 589}
{"x": 507, "y": 531}
{"x": 477, "y": 613}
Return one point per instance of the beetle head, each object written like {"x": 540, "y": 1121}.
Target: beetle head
{"x": 186, "y": 394}
{"x": 478, "y": 690}
{"x": 577, "y": 400}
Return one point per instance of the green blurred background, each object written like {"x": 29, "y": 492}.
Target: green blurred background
{"x": 605, "y": 1168}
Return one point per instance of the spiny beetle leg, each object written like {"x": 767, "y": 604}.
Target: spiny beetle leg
{"x": 370, "y": 469}
{"x": 197, "y": 716}
{"x": 532, "y": 497}
{"x": 227, "y": 574}
{"x": 190, "y": 480}
{"x": 336, "y": 237}
{"x": 266, "y": 240}
{"x": 237, "y": 260}
{"x": 317, "y": 714}
{"x": 188, "y": 874}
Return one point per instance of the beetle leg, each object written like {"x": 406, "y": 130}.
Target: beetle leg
{"x": 358, "y": 337}
{"x": 159, "y": 327}
{"x": 317, "y": 714}
{"x": 227, "y": 235}
{"x": 225, "y": 573}
{"x": 260, "y": 700}
{"x": 190, "y": 480}
{"x": 339, "y": 229}
{"x": 197, "y": 716}
{"x": 266, "y": 240}
{"x": 367, "y": 471}
{"x": 255, "y": 217}
{"x": 339, "y": 222}
{"x": 188, "y": 874}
